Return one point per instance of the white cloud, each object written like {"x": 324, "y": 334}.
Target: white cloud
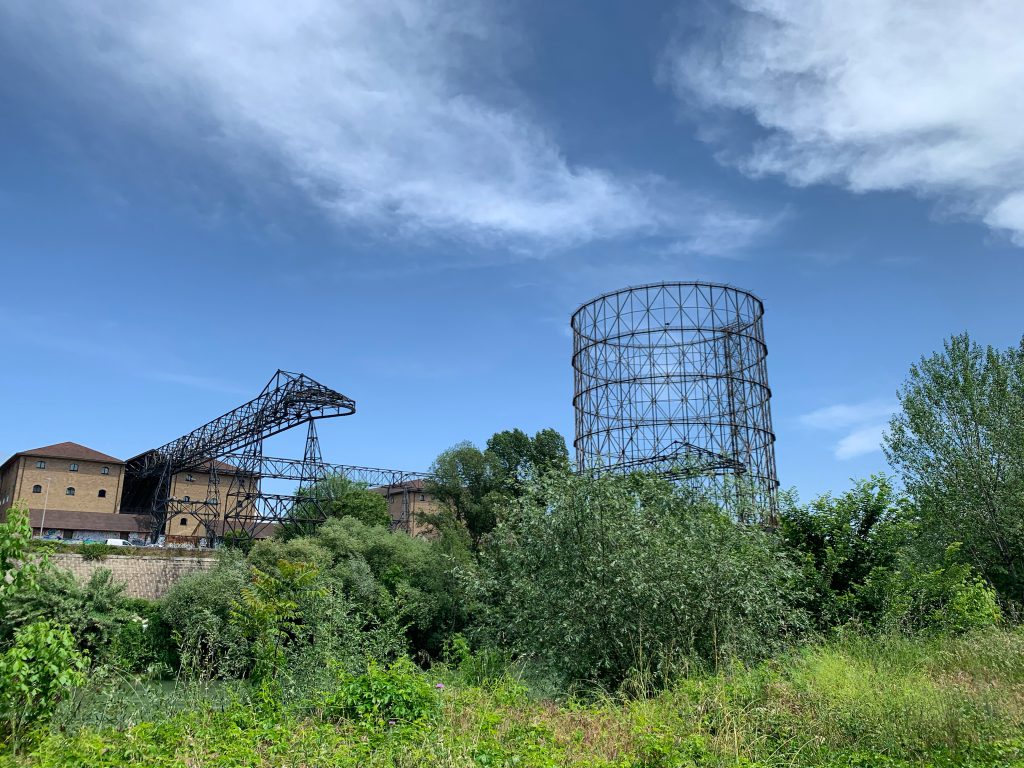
{"x": 864, "y": 423}
{"x": 847, "y": 415}
{"x": 860, "y": 441}
{"x": 393, "y": 113}
{"x": 922, "y": 95}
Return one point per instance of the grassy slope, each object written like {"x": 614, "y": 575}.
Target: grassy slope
{"x": 855, "y": 702}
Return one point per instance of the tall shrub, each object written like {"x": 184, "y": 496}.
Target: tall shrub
{"x": 600, "y": 579}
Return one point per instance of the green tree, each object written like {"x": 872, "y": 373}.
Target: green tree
{"x": 474, "y": 484}
{"x": 36, "y": 672}
{"x": 336, "y": 496}
{"x": 841, "y": 539}
{"x": 268, "y": 613}
{"x": 18, "y": 571}
{"x": 40, "y": 664}
{"x": 959, "y": 445}
{"x": 464, "y": 481}
{"x": 600, "y": 580}
{"x": 392, "y": 576}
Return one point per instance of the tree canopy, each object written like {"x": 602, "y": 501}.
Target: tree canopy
{"x": 958, "y": 443}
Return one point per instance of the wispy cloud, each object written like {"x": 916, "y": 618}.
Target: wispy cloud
{"x": 847, "y": 415}
{"x": 860, "y": 441}
{"x": 864, "y": 424}
{"x": 875, "y": 95}
{"x": 397, "y": 114}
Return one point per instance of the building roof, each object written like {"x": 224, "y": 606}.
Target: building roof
{"x": 408, "y": 485}
{"x": 67, "y": 450}
{"x": 90, "y": 521}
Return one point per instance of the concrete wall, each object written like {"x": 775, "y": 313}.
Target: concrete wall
{"x": 146, "y": 576}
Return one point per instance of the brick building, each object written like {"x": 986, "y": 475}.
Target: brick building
{"x": 407, "y": 503}
{"x": 72, "y": 491}
{"x": 194, "y": 496}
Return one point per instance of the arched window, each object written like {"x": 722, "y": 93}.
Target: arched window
{"x": 183, "y": 521}
{"x": 37, "y": 489}
{"x": 72, "y": 467}
{"x": 102, "y": 494}
{"x": 185, "y": 498}
{"x": 70, "y": 491}
{"x": 105, "y": 471}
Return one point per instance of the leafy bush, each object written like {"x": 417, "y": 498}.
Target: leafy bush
{"x": 336, "y": 497}
{"x": 240, "y": 540}
{"x": 18, "y": 572}
{"x": 839, "y": 540}
{"x": 94, "y": 612}
{"x": 197, "y": 611}
{"x": 603, "y": 579}
{"x": 953, "y": 598}
{"x": 385, "y": 696}
{"x": 391, "y": 576}
{"x": 267, "y": 554}
{"x": 268, "y": 614}
{"x": 143, "y": 643}
{"x": 36, "y": 672}
{"x": 95, "y": 550}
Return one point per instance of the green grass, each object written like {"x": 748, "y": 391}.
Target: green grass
{"x": 853, "y": 702}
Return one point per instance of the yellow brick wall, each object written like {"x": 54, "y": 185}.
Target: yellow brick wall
{"x": 8, "y": 481}
{"x": 197, "y": 489}
{"x": 419, "y": 503}
{"x": 148, "y": 577}
{"x": 87, "y": 482}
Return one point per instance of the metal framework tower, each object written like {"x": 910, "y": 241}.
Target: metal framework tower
{"x": 672, "y": 378}
{"x": 229, "y": 450}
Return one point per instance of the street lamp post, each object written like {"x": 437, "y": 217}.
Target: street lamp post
{"x": 46, "y": 498}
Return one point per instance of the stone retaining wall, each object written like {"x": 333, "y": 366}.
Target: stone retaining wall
{"x": 148, "y": 577}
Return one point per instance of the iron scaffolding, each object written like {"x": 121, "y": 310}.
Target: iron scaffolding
{"x": 229, "y": 449}
{"x": 672, "y": 378}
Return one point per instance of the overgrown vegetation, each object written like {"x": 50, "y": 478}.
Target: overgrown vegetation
{"x": 557, "y": 619}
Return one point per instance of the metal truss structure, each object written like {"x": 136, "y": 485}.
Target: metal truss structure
{"x": 249, "y": 508}
{"x": 229, "y": 450}
{"x": 671, "y": 378}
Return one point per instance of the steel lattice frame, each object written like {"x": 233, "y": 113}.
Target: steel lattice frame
{"x": 672, "y": 378}
{"x": 230, "y": 450}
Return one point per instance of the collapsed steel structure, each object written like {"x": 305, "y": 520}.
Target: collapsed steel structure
{"x": 671, "y": 378}
{"x": 229, "y": 450}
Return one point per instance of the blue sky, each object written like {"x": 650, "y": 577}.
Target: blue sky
{"x": 406, "y": 199}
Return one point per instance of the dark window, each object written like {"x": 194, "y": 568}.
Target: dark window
{"x": 40, "y": 465}
{"x": 72, "y": 467}
{"x": 105, "y": 471}
{"x": 37, "y": 489}
{"x": 183, "y": 521}
{"x": 423, "y": 497}
{"x": 102, "y": 494}
{"x": 70, "y": 491}
{"x": 186, "y": 498}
